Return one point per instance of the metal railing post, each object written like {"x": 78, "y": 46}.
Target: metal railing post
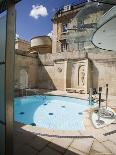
{"x": 90, "y": 96}
{"x": 106, "y": 96}
{"x": 99, "y": 121}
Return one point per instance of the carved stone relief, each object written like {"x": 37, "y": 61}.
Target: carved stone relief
{"x": 81, "y": 75}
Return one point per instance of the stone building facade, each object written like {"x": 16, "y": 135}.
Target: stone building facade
{"x": 74, "y": 62}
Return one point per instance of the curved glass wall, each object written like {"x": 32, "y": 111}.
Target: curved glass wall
{"x": 108, "y": 15}
{"x": 80, "y": 30}
{"x": 105, "y": 35}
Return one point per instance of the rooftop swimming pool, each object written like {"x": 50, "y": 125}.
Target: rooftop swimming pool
{"x": 53, "y": 112}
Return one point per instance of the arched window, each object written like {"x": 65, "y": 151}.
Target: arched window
{"x": 23, "y": 79}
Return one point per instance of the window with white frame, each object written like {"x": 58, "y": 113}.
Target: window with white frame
{"x": 64, "y": 27}
{"x": 64, "y": 46}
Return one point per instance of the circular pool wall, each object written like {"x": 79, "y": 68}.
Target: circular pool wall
{"x": 52, "y": 112}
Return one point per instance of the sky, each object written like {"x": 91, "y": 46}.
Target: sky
{"x": 33, "y": 17}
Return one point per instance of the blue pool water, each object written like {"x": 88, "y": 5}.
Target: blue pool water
{"x": 53, "y": 112}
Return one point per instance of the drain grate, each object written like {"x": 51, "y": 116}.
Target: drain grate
{"x": 33, "y": 124}
{"x": 21, "y": 113}
{"x": 50, "y": 113}
{"x": 63, "y": 106}
{"x": 80, "y": 113}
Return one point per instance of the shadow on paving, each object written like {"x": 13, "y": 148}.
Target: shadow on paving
{"x": 27, "y": 143}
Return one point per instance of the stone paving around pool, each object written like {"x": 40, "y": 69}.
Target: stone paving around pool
{"x": 31, "y": 140}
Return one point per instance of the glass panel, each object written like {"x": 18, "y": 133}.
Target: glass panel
{"x": 2, "y": 139}
{"x": 108, "y": 15}
{"x": 2, "y": 38}
{"x": 2, "y": 106}
{"x": 84, "y": 24}
{"x": 2, "y": 78}
{"x": 2, "y": 66}
{"x": 113, "y": 2}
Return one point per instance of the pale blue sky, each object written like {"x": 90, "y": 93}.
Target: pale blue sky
{"x": 31, "y": 22}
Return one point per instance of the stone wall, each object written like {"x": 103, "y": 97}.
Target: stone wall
{"x": 63, "y": 70}
{"x": 46, "y": 77}
{"x": 101, "y": 70}
{"x": 60, "y": 69}
{"x": 29, "y": 66}
{"x": 104, "y": 70}
{"x": 51, "y": 71}
{"x": 48, "y": 59}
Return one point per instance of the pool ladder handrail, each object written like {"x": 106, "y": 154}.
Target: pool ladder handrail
{"x": 90, "y": 96}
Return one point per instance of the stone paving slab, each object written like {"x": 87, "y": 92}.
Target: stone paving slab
{"x": 110, "y": 127}
{"x": 83, "y": 145}
{"x": 48, "y": 151}
{"x": 96, "y": 133}
{"x": 60, "y": 144}
{"x": 25, "y": 150}
{"x": 111, "y": 146}
{"x": 38, "y": 143}
{"x": 47, "y": 138}
{"x": 73, "y": 151}
{"x": 21, "y": 138}
{"x": 99, "y": 147}
{"x": 87, "y": 122}
{"x": 93, "y": 152}
{"x": 112, "y": 138}
{"x": 43, "y": 132}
